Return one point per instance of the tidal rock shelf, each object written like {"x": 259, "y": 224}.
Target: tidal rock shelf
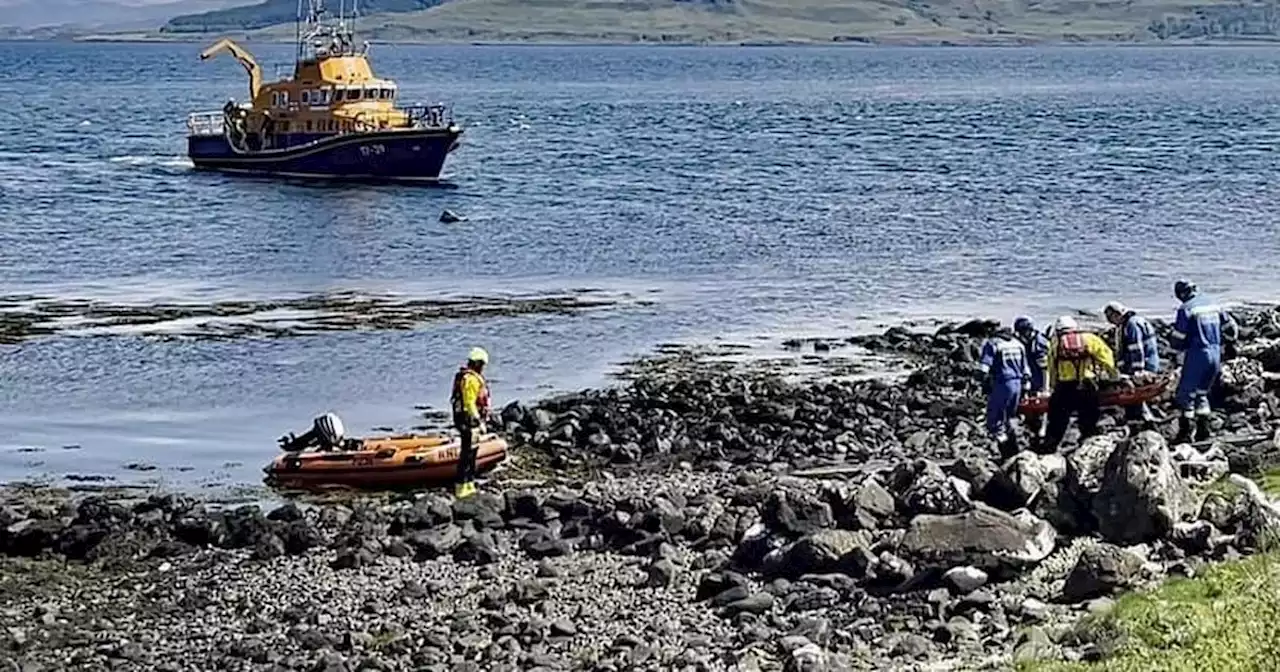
{"x": 697, "y": 518}
{"x": 27, "y": 317}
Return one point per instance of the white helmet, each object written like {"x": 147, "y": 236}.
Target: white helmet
{"x": 329, "y": 427}
{"x": 1065, "y": 323}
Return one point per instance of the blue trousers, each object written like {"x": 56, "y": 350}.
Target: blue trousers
{"x": 1200, "y": 370}
{"x": 1002, "y": 405}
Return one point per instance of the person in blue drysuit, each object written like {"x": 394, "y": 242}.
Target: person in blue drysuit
{"x": 1138, "y": 353}
{"x": 1005, "y": 374}
{"x": 1036, "y": 345}
{"x": 1199, "y": 328}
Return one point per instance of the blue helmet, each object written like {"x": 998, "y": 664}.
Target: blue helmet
{"x": 1184, "y": 289}
{"x": 1023, "y": 324}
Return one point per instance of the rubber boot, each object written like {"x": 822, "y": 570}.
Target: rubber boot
{"x": 1184, "y": 430}
{"x": 1202, "y": 428}
{"x": 1010, "y": 446}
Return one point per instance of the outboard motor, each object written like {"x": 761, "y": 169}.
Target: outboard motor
{"x": 326, "y": 433}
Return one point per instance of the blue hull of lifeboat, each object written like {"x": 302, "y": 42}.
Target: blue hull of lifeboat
{"x": 402, "y": 155}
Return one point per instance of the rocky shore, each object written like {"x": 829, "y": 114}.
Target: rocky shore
{"x": 702, "y": 516}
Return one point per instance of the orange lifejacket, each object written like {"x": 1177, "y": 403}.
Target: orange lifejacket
{"x": 455, "y": 397}
{"x": 1071, "y": 347}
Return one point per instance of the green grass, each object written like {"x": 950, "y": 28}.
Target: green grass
{"x": 1269, "y": 481}
{"x": 1224, "y": 620}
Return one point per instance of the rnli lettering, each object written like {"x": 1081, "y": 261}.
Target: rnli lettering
{"x": 373, "y": 150}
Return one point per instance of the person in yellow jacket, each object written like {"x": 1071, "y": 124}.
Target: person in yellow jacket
{"x": 1078, "y": 362}
{"x": 470, "y": 401}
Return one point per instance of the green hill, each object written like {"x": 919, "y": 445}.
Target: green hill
{"x": 273, "y": 12}
{"x": 822, "y": 21}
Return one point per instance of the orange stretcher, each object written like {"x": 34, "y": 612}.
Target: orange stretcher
{"x": 1114, "y": 396}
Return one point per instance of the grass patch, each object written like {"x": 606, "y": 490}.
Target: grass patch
{"x": 1223, "y": 620}
{"x": 1269, "y": 481}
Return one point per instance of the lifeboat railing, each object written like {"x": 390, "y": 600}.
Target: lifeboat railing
{"x": 206, "y": 123}
{"x": 429, "y": 116}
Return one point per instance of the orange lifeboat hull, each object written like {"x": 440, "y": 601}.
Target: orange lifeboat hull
{"x": 1124, "y": 396}
{"x": 383, "y": 462}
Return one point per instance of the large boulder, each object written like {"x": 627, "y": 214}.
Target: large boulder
{"x": 1241, "y": 376}
{"x": 869, "y": 507}
{"x": 795, "y": 514}
{"x": 825, "y": 551}
{"x": 1141, "y": 495}
{"x": 1101, "y": 570}
{"x": 924, "y": 488}
{"x": 1024, "y": 479}
{"x": 1258, "y": 526}
{"x": 999, "y": 543}
{"x": 1087, "y": 465}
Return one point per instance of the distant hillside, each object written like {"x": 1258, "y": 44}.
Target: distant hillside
{"x": 273, "y": 12}
{"x": 826, "y": 21}
{"x": 821, "y": 21}
{"x": 36, "y": 14}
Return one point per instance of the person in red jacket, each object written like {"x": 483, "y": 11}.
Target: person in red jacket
{"x": 470, "y": 400}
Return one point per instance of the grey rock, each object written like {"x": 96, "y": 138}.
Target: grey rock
{"x": 1101, "y": 570}
{"x": 1034, "y": 645}
{"x": 1194, "y": 537}
{"x": 528, "y": 591}
{"x": 479, "y": 548}
{"x": 437, "y": 542}
{"x": 563, "y": 627}
{"x": 541, "y": 543}
{"x": 758, "y": 603}
{"x": 998, "y": 543}
{"x": 353, "y": 558}
{"x": 484, "y": 509}
{"x": 1087, "y": 465}
{"x": 1259, "y": 525}
{"x": 965, "y": 579}
{"x": 823, "y": 551}
{"x": 268, "y": 546}
{"x": 795, "y": 514}
{"x": 925, "y": 489}
{"x": 660, "y": 573}
{"x": 911, "y": 645}
{"x": 871, "y": 505}
{"x": 715, "y": 583}
{"x": 1141, "y": 496}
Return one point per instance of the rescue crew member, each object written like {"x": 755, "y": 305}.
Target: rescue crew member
{"x": 470, "y": 400}
{"x": 1199, "y": 329}
{"x": 1036, "y": 345}
{"x": 1005, "y": 375}
{"x": 1138, "y": 355}
{"x": 1077, "y": 360}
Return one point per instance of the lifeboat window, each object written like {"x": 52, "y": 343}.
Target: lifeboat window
{"x": 324, "y": 96}
{"x": 306, "y": 96}
{"x": 353, "y": 94}
{"x": 308, "y": 124}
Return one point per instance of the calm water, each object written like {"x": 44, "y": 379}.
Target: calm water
{"x": 747, "y": 193}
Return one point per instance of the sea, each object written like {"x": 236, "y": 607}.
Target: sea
{"x": 701, "y": 195}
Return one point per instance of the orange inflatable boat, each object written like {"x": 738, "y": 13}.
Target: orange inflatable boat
{"x": 383, "y": 461}
{"x": 1117, "y": 396}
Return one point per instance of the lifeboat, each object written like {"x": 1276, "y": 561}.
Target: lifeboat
{"x": 331, "y": 119}
{"x": 323, "y": 458}
{"x": 1117, "y": 396}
